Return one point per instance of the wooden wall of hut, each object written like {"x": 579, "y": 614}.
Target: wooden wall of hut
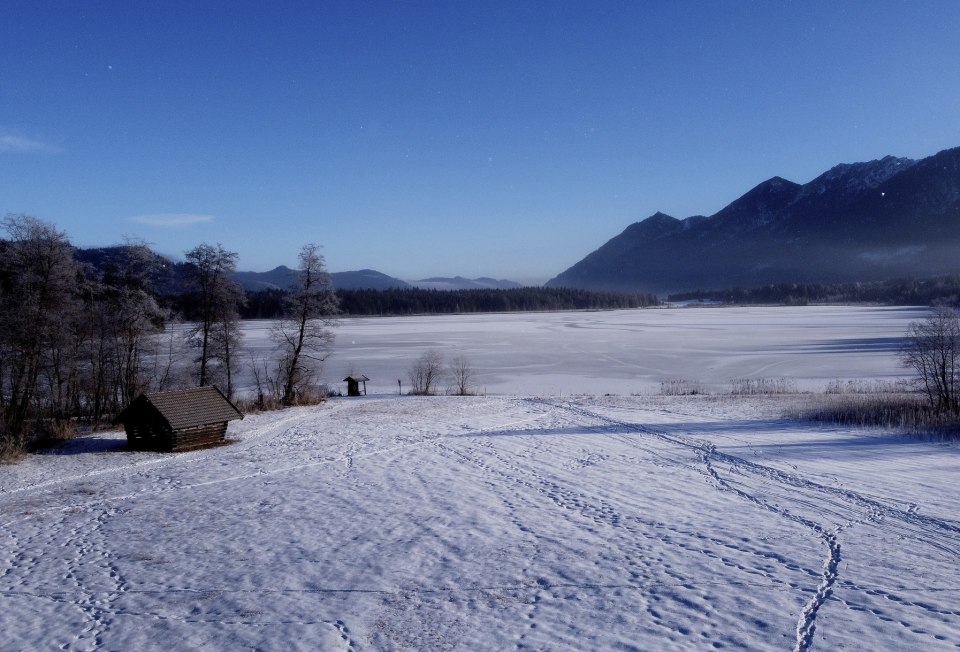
{"x": 157, "y": 437}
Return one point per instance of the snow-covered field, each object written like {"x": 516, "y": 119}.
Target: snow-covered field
{"x": 510, "y": 521}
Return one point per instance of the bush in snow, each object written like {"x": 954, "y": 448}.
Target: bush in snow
{"x": 425, "y": 373}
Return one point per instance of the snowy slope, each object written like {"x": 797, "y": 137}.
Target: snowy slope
{"x": 489, "y": 523}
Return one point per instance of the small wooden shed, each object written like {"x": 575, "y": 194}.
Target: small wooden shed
{"x": 178, "y": 420}
{"x": 353, "y": 385}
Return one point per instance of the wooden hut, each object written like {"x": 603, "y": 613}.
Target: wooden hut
{"x": 353, "y": 385}
{"x": 178, "y": 420}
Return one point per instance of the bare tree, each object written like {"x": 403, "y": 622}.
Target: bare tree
{"x": 425, "y": 372}
{"x": 227, "y": 338}
{"x": 216, "y": 334}
{"x": 304, "y": 336}
{"x": 932, "y": 350}
{"x": 262, "y": 379}
{"x": 463, "y": 374}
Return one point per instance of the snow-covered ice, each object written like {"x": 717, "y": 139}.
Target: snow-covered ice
{"x": 501, "y": 522}
{"x": 629, "y": 351}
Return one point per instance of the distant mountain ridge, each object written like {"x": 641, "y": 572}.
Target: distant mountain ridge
{"x": 461, "y": 283}
{"x": 278, "y": 278}
{"x": 282, "y": 277}
{"x": 170, "y": 277}
{"x": 367, "y": 279}
{"x": 867, "y": 221}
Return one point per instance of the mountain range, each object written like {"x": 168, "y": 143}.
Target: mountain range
{"x": 171, "y": 277}
{"x": 367, "y": 279}
{"x": 283, "y": 277}
{"x": 461, "y": 283}
{"x": 882, "y": 219}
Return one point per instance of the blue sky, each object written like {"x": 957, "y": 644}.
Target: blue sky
{"x": 503, "y": 139}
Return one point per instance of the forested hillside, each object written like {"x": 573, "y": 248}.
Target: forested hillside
{"x": 896, "y": 292}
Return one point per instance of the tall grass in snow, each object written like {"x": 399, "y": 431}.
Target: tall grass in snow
{"x": 908, "y": 412}
{"x": 762, "y": 386}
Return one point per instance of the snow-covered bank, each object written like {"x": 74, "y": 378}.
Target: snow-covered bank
{"x": 489, "y": 523}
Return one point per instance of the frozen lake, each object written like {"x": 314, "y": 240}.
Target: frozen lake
{"x": 627, "y": 351}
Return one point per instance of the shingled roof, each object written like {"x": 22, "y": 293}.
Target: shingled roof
{"x": 188, "y": 408}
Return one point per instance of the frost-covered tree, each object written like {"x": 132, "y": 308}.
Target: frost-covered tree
{"x": 38, "y": 282}
{"x": 304, "y": 335}
{"x": 119, "y": 331}
{"x": 136, "y": 319}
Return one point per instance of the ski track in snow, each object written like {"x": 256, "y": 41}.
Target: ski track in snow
{"x": 526, "y": 456}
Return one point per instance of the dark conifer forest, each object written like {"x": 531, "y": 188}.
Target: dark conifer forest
{"x": 265, "y": 304}
{"x": 895, "y": 292}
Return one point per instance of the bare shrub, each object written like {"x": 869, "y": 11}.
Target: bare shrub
{"x": 50, "y": 432}
{"x": 268, "y": 402}
{"x": 867, "y": 386}
{"x": 425, "y": 372}
{"x": 762, "y": 386}
{"x": 269, "y": 391}
{"x": 680, "y": 387}
{"x": 252, "y": 405}
{"x": 10, "y": 454}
